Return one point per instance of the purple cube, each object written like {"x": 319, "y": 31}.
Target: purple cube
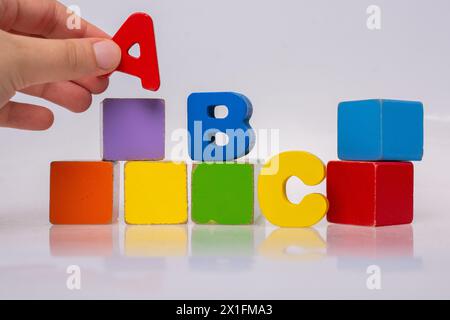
{"x": 133, "y": 129}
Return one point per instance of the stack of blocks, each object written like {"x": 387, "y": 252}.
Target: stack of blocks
{"x": 223, "y": 190}
{"x": 133, "y": 130}
{"x": 155, "y": 191}
{"x": 373, "y": 184}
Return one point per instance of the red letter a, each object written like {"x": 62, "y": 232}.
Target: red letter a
{"x": 138, "y": 29}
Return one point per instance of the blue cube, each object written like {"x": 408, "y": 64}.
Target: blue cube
{"x": 377, "y": 130}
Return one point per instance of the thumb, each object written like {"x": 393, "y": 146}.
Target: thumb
{"x": 45, "y": 60}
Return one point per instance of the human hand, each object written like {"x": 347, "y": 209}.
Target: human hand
{"x": 40, "y": 56}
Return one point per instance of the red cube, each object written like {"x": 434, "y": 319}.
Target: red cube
{"x": 370, "y": 193}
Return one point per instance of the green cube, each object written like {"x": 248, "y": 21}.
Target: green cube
{"x": 223, "y": 193}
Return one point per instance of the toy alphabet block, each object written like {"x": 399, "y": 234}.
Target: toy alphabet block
{"x": 138, "y": 30}
{"x": 223, "y": 193}
{"x": 203, "y": 126}
{"x": 370, "y": 193}
{"x": 84, "y": 192}
{"x": 133, "y": 129}
{"x": 375, "y": 130}
{"x": 275, "y": 205}
{"x": 155, "y": 193}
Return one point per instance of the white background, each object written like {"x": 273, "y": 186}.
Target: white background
{"x": 295, "y": 60}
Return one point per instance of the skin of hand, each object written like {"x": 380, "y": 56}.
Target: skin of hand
{"x": 41, "y": 57}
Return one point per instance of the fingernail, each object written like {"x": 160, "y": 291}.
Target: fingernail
{"x": 107, "y": 54}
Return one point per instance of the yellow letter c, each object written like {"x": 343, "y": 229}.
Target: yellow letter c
{"x": 273, "y": 201}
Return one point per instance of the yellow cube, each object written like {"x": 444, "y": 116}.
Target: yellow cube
{"x": 155, "y": 192}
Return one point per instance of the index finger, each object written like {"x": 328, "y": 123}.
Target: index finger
{"x": 46, "y": 18}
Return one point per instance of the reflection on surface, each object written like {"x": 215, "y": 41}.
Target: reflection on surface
{"x": 215, "y": 247}
{"x": 225, "y": 240}
{"x": 395, "y": 241}
{"x": 93, "y": 240}
{"x": 224, "y": 247}
{"x": 156, "y": 241}
{"x": 293, "y": 245}
{"x": 357, "y": 247}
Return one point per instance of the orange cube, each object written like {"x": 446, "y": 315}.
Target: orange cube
{"x": 84, "y": 192}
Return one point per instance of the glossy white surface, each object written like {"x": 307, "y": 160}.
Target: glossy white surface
{"x": 198, "y": 262}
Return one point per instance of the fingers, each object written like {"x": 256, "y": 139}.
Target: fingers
{"x": 25, "y": 116}
{"x": 66, "y": 94}
{"x": 39, "y": 61}
{"x": 75, "y": 96}
{"x": 95, "y": 85}
{"x": 47, "y": 18}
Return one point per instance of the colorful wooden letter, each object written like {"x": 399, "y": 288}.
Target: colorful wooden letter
{"x": 133, "y": 129}
{"x": 223, "y": 193}
{"x": 155, "y": 193}
{"x": 84, "y": 192}
{"x": 203, "y": 126}
{"x": 275, "y": 205}
{"x": 370, "y": 193}
{"x": 374, "y": 130}
{"x": 138, "y": 30}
